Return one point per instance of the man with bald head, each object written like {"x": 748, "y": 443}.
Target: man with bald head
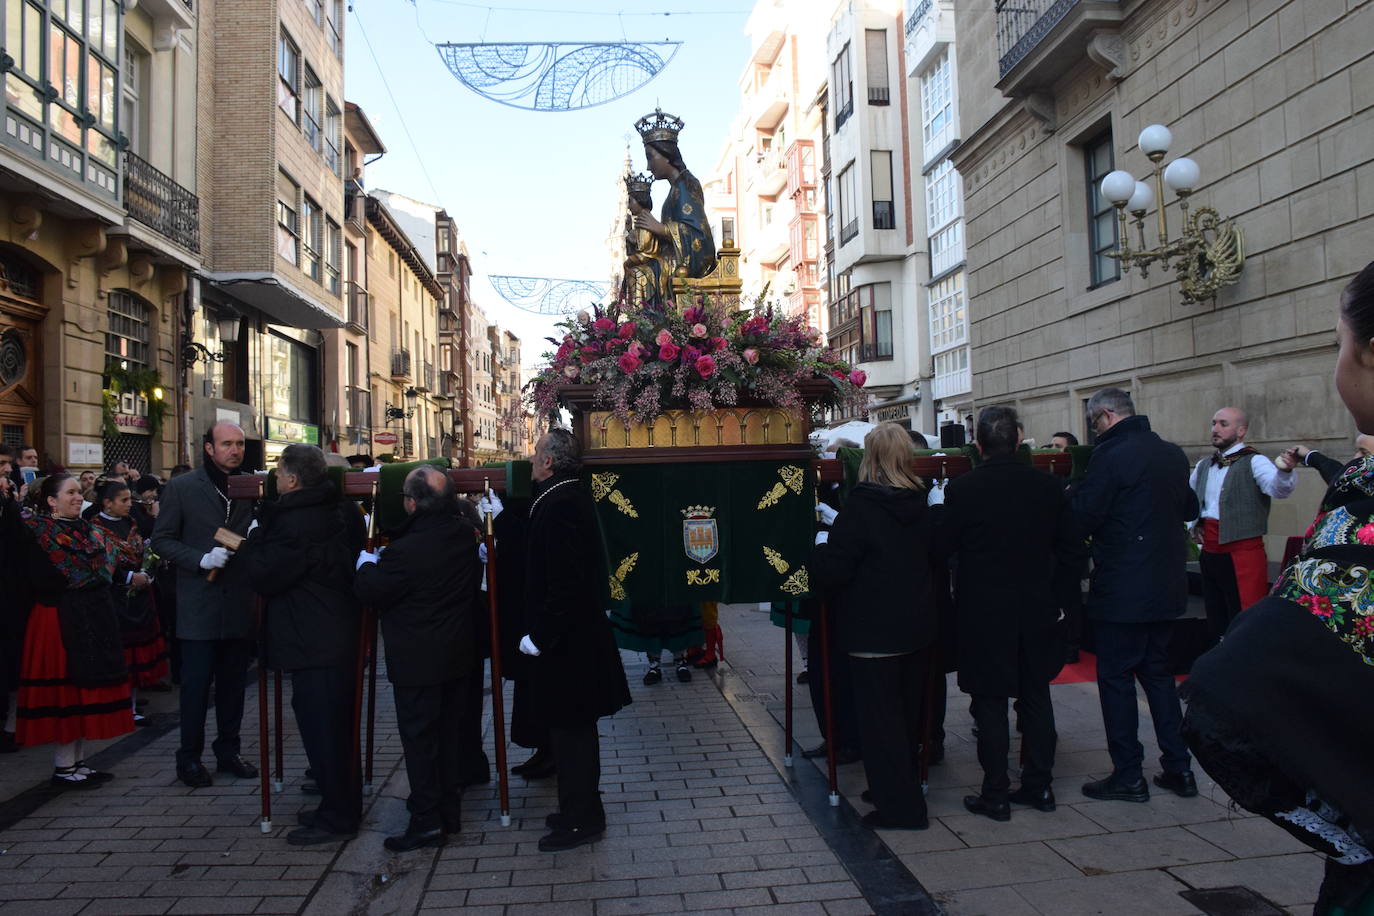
{"x": 214, "y": 619}
{"x": 1234, "y": 487}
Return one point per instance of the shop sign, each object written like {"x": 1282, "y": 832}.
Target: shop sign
{"x": 289, "y": 431}
{"x": 385, "y": 438}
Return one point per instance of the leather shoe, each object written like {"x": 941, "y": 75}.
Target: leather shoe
{"x": 237, "y": 766}
{"x": 1042, "y": 800}
{"x": 537, "y": 761}
{"x": 195, "y": 775}
{"x": 543, "y": 771}
{"x": 569, "y": 837}
{"x": 843, "y": 756}
{"x": 416, "y": 840}
{"x": 811, "y": 753}
{"x": 312, "y": 836}
{"x": 876, "y": 821}
{"x": 977, "y": 804}
{"x": 1114, "y": 788}
{"x": 1182, "y": 784}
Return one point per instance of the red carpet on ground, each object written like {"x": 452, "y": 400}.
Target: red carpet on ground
{"x": 1084, "y": 670}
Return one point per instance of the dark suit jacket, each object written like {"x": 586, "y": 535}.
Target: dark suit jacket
{"x": 1008, "y": 525}
{"x": 192, "y": 509}
{"x": 1328, "y": 467}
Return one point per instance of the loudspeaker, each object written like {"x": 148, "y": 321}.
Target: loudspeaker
{"x": 952, "y": 435}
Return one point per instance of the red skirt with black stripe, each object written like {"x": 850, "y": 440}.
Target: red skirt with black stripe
{"x": 53, "y": 710}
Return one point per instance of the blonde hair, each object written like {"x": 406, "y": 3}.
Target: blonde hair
{"x": 887, "y": 458}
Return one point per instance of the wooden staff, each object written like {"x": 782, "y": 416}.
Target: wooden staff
{"x": 278, "y": 782}
{"x": 366, "y": 631}
{"x": 787, "y": 680}
{"x": 266, "y": 822}
{"x": 498, "y": 712}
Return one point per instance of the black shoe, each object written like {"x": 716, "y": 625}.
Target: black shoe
{"x": 537, "y": 761}
{"x": 867, "y": 795}
{"x": 1040, "y": 801}
{"x": 237, "y": 766}
{"x": 1071, "y": 657}
{"x": 416, "y": 840}
{"x": 875, "y": 820}
{"x": 1182, "y": 784}
{"x": 310, "y": 788}
{"x": 811, "y": 753}
{"x": 92, "y": 774}
{"x": 977, "y": 804}
{"x": 69, "y": 778}
{"x": 544, "y": 770}
{"x": 453, "y": 825}
{"x": 684, "y": 673}
{"x": 804, "y": 677}
{"x": 652, "y": 676}
{"x": 569, "y": 837}
{"x": 555, "y": 821}
{"x": 195, "y": 775}
{"x": 1114, "y": 788}
{"x": 313, "y": 836}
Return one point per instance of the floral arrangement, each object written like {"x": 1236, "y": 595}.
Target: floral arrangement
{"x": 646, "y": 360}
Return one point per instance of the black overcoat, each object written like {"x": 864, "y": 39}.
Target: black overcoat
{"x": 1133, "y": 503}
{"x": 300, "y": 559}
{"x": 511, "y": 529}
{"x": 577, "y": 677}
{"x": 425, "y": 589}
{"x": 876, "y": 569}
{"x": 1009, "y": 528}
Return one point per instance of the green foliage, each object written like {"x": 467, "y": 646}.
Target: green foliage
{"x": 117, "y": 380}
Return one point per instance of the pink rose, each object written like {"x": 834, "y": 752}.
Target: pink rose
{"x": 571, "y": 371}
{"x": 628, "y": 363}
{"x": 590, "y": 352}
{"x": 698, "y": 330}
{"x": 635, "y": 349}
{"x": 751, "y": 356}
{"x": 668, "y": 352}
{"x": 664, "y": 338}
{"x": 1365, "y": 535}
{"x": 858, "y": 377}
{"x": 719, "y": 343}
{"x": 627, "y": 330}
{"x": 603, "y": 324}
{"x": 694, "y": 314}
{"x": 706, "y": 366}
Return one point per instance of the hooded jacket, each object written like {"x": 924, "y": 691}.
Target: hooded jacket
{"x": 876, "y": 564}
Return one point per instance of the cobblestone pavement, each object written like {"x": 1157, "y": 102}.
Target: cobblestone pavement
{"x": 703, "y": 818}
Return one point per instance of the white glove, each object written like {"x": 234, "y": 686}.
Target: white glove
{"x": 482, "y": 552}
{"x": 527, "y": 646}
{"x": 252, "y": 526}
{"x": 490, "y": 505}
{"x": 827, "y": 514}
{"x": 215, "y": 559}
{"x": 822, "y": 537}
{"x": 937, "y": 494}
{"x": 366, "y": 556}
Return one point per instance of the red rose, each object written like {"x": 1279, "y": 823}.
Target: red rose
{"x": 627, "y": 330}
{"x": 706, "y": 366}
{"x": 603, "y": 324}
{"x": 858, "y": 377}
{"x": 590, "y": 352}
{"x": 668, "y": 352}
{"x": 628, "y": 363}
{"x": 718, "y": 344}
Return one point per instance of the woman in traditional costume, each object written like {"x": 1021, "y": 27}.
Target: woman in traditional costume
{"x": 1276, "y": 712}
{"x": 73, "y": 683}
{"x": 145, "y": 649}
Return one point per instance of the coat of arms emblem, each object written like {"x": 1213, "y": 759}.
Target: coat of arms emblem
{"x": 700, "y": 536}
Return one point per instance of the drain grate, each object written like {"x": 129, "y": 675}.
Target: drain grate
{"x": 1231, "y": 901}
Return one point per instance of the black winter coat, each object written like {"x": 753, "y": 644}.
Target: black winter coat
{"x": 426, "y": 591}
{"x": 1009, "y": 527}
{"x": 577, "y": 677}
{"x": 1133, "y": 503}
{"x": 300, "y": 559}
{"x": 876, "y": 567}
{"x": 511, "y": 529}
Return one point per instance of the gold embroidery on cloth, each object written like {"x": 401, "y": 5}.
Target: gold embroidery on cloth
{"x": 794, "y": 477}
{"x": 799, "y": 583}
{"x": 617, "y": 590}
{"x": 601, "y": 485}
{"x": 626, "y": 566}
{"x": 703, "y": 576}
{"x": 621, "y": 502}
{"x": 770, "y": 499}
{"x": 775, "y": 559}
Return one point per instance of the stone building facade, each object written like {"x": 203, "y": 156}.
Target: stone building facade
{"x": 1271, "y": 99}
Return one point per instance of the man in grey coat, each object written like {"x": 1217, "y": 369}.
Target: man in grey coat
{"x": 214, "y": 619}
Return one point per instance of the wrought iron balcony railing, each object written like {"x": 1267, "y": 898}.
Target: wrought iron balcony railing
{"x": 158, "y": 202}
{"x": 1023, "y": 24}
{"x": 357, "y": 306}
{"x": 400, "y": 363}
{"x": 917, "y": 15}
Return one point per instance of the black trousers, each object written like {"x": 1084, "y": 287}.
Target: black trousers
{"x": 887, "y": 694}
{"x": 224, "y": 663}
{"x": 429, "y": 721}
{"x": 1036, "y": 714}
{"x": 577, "y": 754}
{"x": 841, "y": 691}
{"x": 322, "y": 699}
{"x": 475, "y": 768}
{"x": 1127, "y": 652}
{"x": 526, "y": 728}
{"x": 1220, "y": 594}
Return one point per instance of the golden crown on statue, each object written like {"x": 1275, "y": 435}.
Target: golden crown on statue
{"x": 659, "y": 126}
{"x": 638, "y": 184}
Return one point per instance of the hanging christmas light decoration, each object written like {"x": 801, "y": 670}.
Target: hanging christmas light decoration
{"x": 549, "y": 295}
{"x": 557, "y": 76}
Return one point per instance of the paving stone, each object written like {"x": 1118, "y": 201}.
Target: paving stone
{"x": 1137, "y": 893}
{"x": 1116, "y": 852}
{"x": 1247, "y": 837}
{"x": 641, "y": 906}
{"x": 705, "y": 900}
{"x": 1026, "y": 825}
{"x": 679, "y": 884}
{"x": 62, "y": 906}
{"x": 831, "y": 890}
{"x": 199, "y": 906}
{"x": 987, "y": 866}
{"x": 1288, "y": 880}
{"x": 521, "y": 895}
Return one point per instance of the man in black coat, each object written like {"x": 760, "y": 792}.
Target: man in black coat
{"x": 1133, "y": 503}
{"x": 425, "y": 588}
{"x": 300, "y": 560}
{"x": 1008, "y": 525}
{"x": 215, "y": 621}
{"x": 576, "y": 676}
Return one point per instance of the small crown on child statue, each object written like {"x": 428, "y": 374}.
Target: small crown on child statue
{"x": 699, "y": 512}
{"x": 659, "y": 126}
{"x": 638, "y": 184}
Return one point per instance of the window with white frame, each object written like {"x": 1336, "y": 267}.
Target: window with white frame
{"x": 288, "y": 218}
{"x": 312, "y": 109}
{"x": 875, "y": 63}
{"x": 128, "y": 338}
{"x": 948, "y": 320}
{"x": 942, "y": 196}
{"x": 849, "y": 217}
{"x": 333, "y": 136}
{"x": 311, "y": 237}
{"x": 135, "y": 80}
{"x": 946, "y": 248}
{"x": 843, "y": 91}
{"x": 333, "y": 254}
{"x": 288, "y": 76}
{"x": 952, "y": 373}
{"x": 937, "y": 106}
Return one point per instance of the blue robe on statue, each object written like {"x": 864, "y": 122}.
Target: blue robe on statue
{"x": 684, "y": 216}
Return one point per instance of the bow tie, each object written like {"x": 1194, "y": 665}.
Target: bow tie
{"x": 1225, "y": 461}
